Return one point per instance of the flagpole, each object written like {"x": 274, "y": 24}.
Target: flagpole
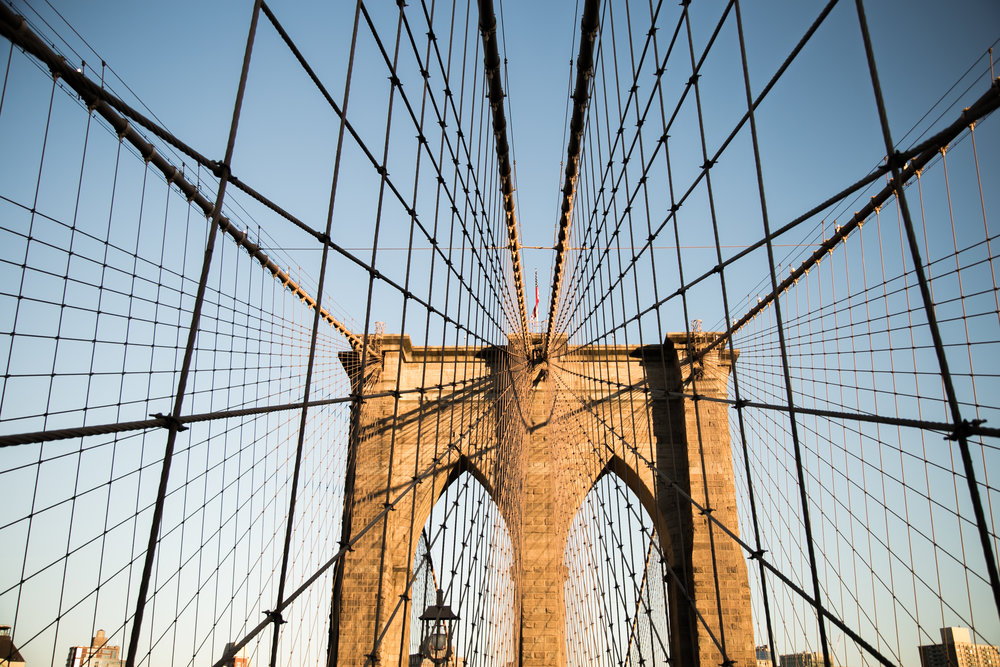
{"x": 534, "y": 312}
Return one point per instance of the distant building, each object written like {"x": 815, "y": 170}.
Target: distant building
{"x": 98, "y": 654}
{"x": 805, "y": 659}
{"x": 763, "y": 656}
{"x": 238, "y": 660}
{"x": 957, "y": 650}
{"x": 9, "y": 655}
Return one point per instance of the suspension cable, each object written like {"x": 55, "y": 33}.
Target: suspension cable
{"x": 589, "y": 25}
{"x": 491, "y": 62}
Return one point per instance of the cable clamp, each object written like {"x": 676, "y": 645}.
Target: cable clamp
{"x": 965, "y": 429}
{"x": 274, "y": 617}
{"x": 758, "y": 555}
{"x": 171, "y": 422}
{"x": 896, "y": 161}
{"x": 219, "y": 169}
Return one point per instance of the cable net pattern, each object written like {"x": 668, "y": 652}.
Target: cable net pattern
{"x": 857, "y": 380}
{"x": 261, "y": 406}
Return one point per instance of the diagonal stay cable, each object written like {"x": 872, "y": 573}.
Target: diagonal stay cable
{"x": 16, "y": 30}
{"x": 436, "y": 162}
{"x": 467, "y": 182}
{"x": 491, "y": 62}
{"x": 215, "y": 216}
{"x": 581, "y": 100}
{"x": 752, "y": 553}
{"x": 380, "y": 168}
{"x": 914, "y": 159}
{"x": 960, "y": 433}
{"x": 986, "y": 104}
{"x": 873, "y": 418}
{"x": 435, "y": 468}
{"x": 661, "y": 143}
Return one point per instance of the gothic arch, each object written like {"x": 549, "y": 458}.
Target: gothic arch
{"x": 642, "y": 488}
{"x": 540, "y": 483}
{"x": 608, "y": 545}
{"x": 487, "y": 559}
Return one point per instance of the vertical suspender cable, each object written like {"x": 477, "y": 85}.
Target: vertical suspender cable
{"x": 740, "y": 417}
{"x": 346, "y": 524}
{"x": 120, "y": 116}
{"x": 961, "y": 427}
{"x": 175, "y": 424}
{"x": 310, "y": 365}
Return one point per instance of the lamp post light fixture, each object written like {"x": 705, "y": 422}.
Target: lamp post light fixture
{"x": 436, "y": 628}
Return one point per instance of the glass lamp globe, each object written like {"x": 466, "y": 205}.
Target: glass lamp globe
{"x": 437, "y": 646}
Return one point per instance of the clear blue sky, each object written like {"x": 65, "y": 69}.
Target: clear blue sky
{"x": 183, "y": 62}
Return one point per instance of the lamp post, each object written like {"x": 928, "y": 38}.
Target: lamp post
{"x": 436, "y": 629}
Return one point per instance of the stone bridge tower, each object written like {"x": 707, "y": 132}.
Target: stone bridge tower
{"x": 562, "y": 431}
